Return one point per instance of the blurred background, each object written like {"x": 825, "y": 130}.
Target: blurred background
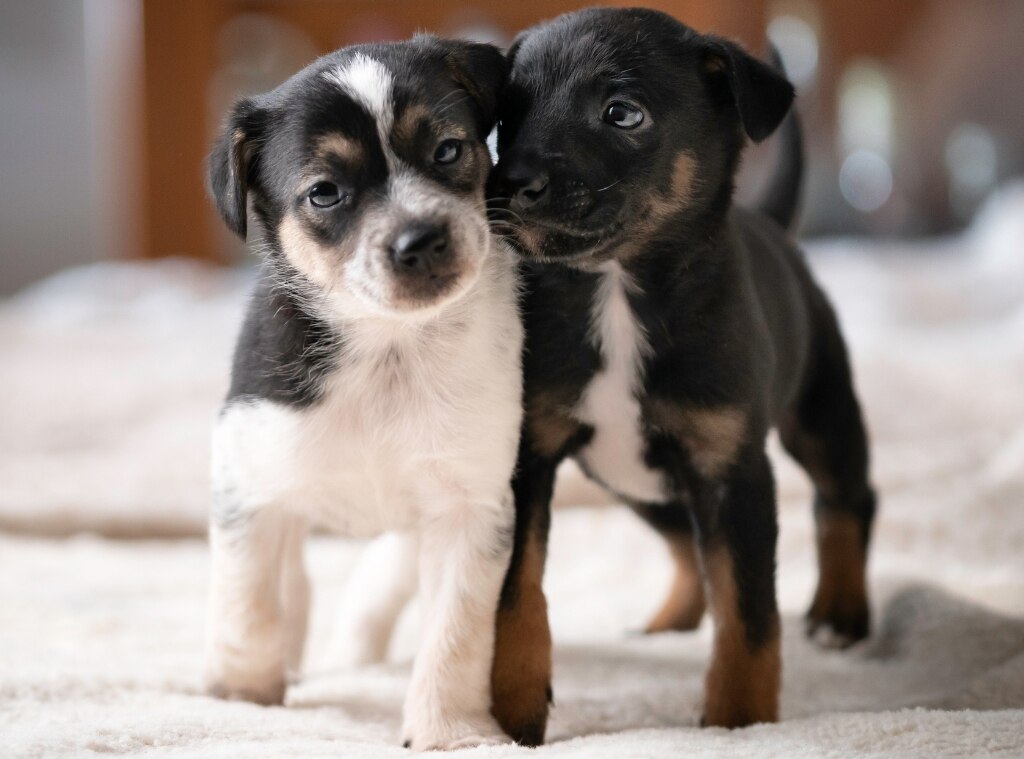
{"x": 119, "y": 304}
{"x": 914, "y": 109}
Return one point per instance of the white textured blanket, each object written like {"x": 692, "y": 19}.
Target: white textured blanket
{"x": 109, "y": 377}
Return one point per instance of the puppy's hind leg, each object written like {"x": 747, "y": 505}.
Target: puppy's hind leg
{"x": 247, "y": 634}
{"x": 377, "y": 590}
{"x": 825, "y": 433}
{"x": 684, "y": 605}
{"x": 295, "y": 596}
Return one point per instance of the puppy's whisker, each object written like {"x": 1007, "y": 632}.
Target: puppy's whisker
{"x": 503, "y": 224}
{"x": 608, "y": 187}
{"x": 449, "y": 106}
{"x": 447, "y": 96}
{"x": 506, "y": 211}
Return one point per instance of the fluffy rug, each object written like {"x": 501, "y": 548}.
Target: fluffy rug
{"x": 110, "y": 376}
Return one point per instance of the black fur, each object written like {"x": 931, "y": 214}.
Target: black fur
{"x": 731, "y": 313}
{"x": 283, "y": 351}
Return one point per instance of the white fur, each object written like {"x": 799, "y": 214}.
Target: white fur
{"x": 369, "y": 83}
{"x": 609, "y": 403}
{"x": 377, "y": 590}
{"x": 425, "y": 442}
{"x": 416, "y": 430}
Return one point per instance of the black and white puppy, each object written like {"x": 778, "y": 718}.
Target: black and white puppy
{"x": 666, "y": 332}
{"x": 376, "y": 382}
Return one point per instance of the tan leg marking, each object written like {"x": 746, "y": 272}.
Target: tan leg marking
{"x": 684, "y": 605}
{"x": 742, "y": 684}
{"x": 841, "y": 600}
{"x": 521, "y": 673}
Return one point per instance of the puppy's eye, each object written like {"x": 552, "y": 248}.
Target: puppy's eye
{"x": 327, "y": 194}
{"x": 623, "y": 116}
{"x": 448, "y": 151}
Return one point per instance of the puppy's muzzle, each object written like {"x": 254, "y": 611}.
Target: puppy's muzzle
{"x": 539, "y": 191}
{"x": 424, "y": 261}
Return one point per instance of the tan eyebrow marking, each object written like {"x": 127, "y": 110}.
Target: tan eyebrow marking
{"x": 405, "y": 128}
{"x": 340, "y": 146}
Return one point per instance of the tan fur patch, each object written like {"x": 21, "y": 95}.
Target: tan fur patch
{"x": 548, "y": 424}
{"x": 680, "y": 189}
{"x": 662, "y": 206}
{"x": 712, "y": 436}
{"x": 684, "y": 170}
{"x": 305, "y": 253}
{"x": 715, "y": 64}
{"x": 742, "y": 685}
{"x": 842, "y": 565}
{"x": 409, "y": 122}
{"x": 521, "y": 672}
{"x": 406, "y": 126}
{"x": 339, "y": 145}
{"x": 684, "y": 605}
{"x": 532, "y": 239}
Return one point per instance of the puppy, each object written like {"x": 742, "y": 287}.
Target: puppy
{"x": 376, "y": 382}
{"x": 666, "y": 332}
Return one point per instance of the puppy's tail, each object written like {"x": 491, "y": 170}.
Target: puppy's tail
{"x": 781, "y": 198}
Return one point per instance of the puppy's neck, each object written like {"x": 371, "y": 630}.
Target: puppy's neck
{"x": 682, "y": 260}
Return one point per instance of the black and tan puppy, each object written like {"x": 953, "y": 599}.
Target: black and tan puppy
{"x": 667, "y": 332}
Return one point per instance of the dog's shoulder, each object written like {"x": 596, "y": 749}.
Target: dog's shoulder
{"x": 283, "y": 353}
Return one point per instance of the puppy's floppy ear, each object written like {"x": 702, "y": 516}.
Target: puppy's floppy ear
{"x": 762, "y": 96}
{"x": 481, "y": 70}
{"x": 232, "y": 162}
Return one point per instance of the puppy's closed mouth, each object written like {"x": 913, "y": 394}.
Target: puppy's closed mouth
{"x": 537, "y": 240}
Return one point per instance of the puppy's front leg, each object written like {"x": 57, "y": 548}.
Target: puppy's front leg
{"x": 464, "y": 553}
{"x": 738, "y": 533}
{"x": 521, "y": 675}
{"x": 247, "y": 635}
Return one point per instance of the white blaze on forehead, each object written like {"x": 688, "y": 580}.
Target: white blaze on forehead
{"x": 369, "y": 83}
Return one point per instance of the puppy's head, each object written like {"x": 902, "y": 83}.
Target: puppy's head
{"x": 367, "y": 170}
{"x": 616, "y": 122}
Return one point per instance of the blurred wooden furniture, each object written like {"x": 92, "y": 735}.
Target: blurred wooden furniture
{"x": 180, "y": 58}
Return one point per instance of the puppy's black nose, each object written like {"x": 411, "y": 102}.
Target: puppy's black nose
{"x": 419, "y": 246}
{"x": 524, "y": 185}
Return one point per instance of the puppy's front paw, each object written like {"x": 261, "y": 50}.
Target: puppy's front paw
{"x": 443, "y": 732}
{"x": 523, "y": 711}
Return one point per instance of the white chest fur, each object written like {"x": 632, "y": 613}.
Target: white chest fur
{"x": 415, "y": 417}
{"x": 609, "y": 403}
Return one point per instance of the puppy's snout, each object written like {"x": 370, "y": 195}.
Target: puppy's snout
{"x": 420, "y": 246}
{"x": 524, "y": 184}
